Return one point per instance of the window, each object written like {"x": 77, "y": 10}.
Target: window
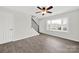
{"x": 57, "y": 25}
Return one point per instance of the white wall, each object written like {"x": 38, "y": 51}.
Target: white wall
{"x": 22, "y": 24}
{"x": 73, "y": 18}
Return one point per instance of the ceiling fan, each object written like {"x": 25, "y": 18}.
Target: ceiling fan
{"x": 44, "y": 10}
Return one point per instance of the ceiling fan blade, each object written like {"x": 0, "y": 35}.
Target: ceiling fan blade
{"x": 38, "y": 12}
{"x": 49, "y": 12}
{"x": 50, "y": 7}
{"x": 39, "y": 8}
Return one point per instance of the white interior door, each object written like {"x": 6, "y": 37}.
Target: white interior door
{"x": 6, "y": 27}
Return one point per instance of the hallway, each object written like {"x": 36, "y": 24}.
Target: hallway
{"x": 40, "y": 44}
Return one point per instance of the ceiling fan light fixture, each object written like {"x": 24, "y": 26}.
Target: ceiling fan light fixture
{"x": 44, "y": 10}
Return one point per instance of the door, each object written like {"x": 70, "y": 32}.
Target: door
{"x": 6, "y": 27}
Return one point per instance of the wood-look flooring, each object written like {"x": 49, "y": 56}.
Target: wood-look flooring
{"x": 40, "y": 44}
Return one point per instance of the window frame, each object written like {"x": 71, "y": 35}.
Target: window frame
{"x": 49, "y": 26}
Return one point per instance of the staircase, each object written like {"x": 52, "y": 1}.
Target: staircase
{"x": 34, "y": 24}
